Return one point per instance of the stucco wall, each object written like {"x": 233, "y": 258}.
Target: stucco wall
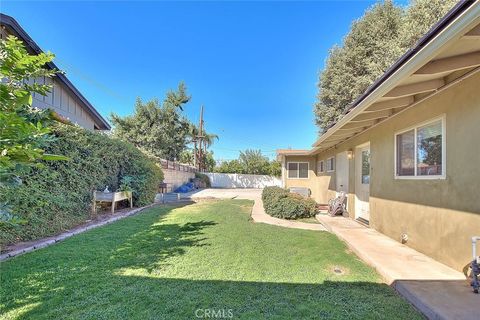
{"x": 322, "y": 185}
{"x": 439, "y": 216}
{"x": 305, "y": 183}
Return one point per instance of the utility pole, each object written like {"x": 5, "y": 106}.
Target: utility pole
{"x": 200, "y": 139}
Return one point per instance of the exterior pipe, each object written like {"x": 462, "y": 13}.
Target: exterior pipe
{"x": 474, "y": 248}
{"x": 475, "y": 266}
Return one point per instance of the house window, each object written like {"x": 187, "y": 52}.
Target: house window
{"x": 330, "y": 164}
{"x": 420, "y": 151}
{"x": 297, "y": 170}
{"x": 320, "y": 167}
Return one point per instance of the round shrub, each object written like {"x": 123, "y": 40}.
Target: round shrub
{"x": 58, "y": 195}
{"x": 280, "y": 203}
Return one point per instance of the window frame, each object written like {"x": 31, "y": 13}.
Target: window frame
{"x": 415, "y": 128}
{"x": 333, "y": 164}
{"x": 298, "y": 170}
{"x": 321, "y": 164}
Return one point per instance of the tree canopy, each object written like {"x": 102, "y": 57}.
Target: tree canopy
{"x": 251, "y": 162}
{"x": 158, "y": 130}
{"x": 372, "y": 45}
{"x": 187, "y": 157}
{"x": 24, "y": 130}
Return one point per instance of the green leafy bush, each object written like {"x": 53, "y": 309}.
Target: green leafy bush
{"x": 280, "y": 203}
{"x": 204, "y": 178}
{"x": 58, "y": 195}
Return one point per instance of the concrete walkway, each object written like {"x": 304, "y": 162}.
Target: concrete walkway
{"x": 258, "y": 214}
{"x": 437, "y": 290}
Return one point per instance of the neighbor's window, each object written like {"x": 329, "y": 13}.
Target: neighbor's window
{"x": 420, "y": 151}
{"x": 330, "y": 164}
{"x": 320, "y": 167}
{"x": 297, "y": 170}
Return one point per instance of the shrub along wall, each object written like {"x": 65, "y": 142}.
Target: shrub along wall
{"x": 204, "y": 178}
{"x": 280, "y": 203}
{"x": 59, "y": 195}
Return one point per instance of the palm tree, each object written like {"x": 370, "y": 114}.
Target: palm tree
{"x": 208, "y": 139}
{"x": 200, "y": 142}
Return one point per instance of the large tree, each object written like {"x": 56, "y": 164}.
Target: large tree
{"x": 367, "y": 51}
{"x": 419, "y": 17}
{"x": 158, "y": 130}
{"x": 251, "y": 162}
{"x": 373, "y": 44}
{"x": 187, "y": 157}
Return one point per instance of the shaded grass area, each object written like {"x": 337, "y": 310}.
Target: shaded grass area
{"x": 170, "y": 262}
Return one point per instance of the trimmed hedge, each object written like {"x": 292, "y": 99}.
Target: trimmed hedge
{"x": 58, "y": 195}
{"x": 280, "y": 203}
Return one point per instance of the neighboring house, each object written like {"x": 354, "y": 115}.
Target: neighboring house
{"x": 64, "y": 98}
{"x": 407, "y": 151}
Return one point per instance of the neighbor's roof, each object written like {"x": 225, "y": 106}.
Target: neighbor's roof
{"x": 14, "y": 27}
{"x": 292, "y": 152}
{"x": 447, "y": 54}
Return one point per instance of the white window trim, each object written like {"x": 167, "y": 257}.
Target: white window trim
{"x": 321, "y": 166}
{"x": 298, "y": 176}
{"x": 333, "y": 170}
{"x": 443, "y": 176}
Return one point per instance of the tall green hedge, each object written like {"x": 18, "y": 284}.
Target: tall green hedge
{"x": 59, "y": 195}
{"x": 280, "y": 203}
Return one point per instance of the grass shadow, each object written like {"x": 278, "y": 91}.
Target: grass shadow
{"x": 118, "y": 272}
{"x": 89, "y": 260}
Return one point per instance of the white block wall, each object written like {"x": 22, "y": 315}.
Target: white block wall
{"x": 233, "y": 180}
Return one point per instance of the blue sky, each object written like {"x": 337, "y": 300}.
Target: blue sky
{"x": 253, "y": 65}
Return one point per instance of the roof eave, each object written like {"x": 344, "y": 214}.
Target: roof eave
{"x": 463, "y": 16}
{"x": 17, "y": 28}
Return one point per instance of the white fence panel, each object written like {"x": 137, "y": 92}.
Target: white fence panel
{"x": 234, "y": 180}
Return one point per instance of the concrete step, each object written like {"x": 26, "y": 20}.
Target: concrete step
{"x": 167, "y": 197}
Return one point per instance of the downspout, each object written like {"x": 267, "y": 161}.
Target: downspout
{"x": 475, "y": 265}
{"x": 474, "y": 248}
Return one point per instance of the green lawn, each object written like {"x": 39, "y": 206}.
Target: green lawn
{"x": 308, "y": 220}
{"x": 168, "y": 263}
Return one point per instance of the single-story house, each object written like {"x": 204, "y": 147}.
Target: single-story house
{"x": 64, "y": 98}
{"x": 407, "y": 151}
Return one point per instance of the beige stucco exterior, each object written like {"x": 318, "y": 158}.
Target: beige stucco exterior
{"x": 438, "y": 215}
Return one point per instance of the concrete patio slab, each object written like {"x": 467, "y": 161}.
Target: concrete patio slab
{"x": 435, "y": 289}
{"x": 441, "y": 299}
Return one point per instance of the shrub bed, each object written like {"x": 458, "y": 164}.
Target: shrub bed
{"x": 280, "y": 203}
{"x": 58, "y": 195}
{"x": 204, "y": 178}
